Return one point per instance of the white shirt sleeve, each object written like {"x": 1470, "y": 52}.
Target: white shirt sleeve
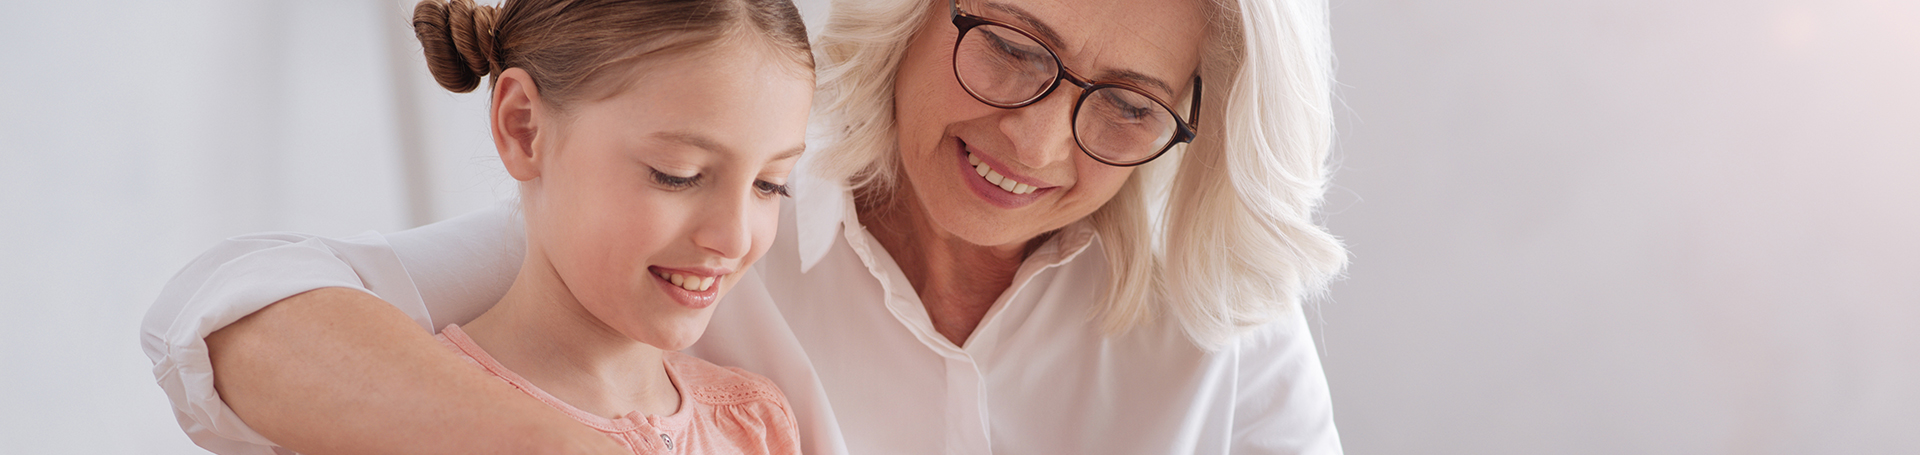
{"x": 1282, "y": 406}
{"x": 460, "y": 267}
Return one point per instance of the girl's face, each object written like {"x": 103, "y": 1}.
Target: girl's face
{"x": 650, "y": 204}
{"x": 1154, "y": 44}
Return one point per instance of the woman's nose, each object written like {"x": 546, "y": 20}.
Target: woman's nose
{"x": 725, "y": 225}
{"x": 1042, "y": 132}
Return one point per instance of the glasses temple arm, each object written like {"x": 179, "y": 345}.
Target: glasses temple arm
{"x": 1194, "y": 109}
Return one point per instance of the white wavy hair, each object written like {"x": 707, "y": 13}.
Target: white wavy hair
{"x": 1229, "y": 242}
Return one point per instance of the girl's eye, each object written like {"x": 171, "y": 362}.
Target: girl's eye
{"x": 769, "y": 188}
{"x": 673, "y": 181}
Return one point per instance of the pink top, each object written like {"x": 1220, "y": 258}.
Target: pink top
{"x": 723, "y": 410}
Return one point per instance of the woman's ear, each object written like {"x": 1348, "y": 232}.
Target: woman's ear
{"x": 516, "y": 115}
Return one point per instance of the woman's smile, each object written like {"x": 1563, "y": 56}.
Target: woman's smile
{"x": 996, "y": 183}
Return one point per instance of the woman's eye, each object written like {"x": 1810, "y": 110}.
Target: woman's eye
{"x": 1123, "y": 110}
{"x": 1014, "y": 51}
{"x": 673, "y": 181}
{"x": 769, "y": 188}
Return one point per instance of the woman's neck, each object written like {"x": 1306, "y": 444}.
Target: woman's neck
{"x": 541, "y": 332}
{"x": 957, "y": 281}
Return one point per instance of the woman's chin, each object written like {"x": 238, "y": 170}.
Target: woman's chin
{"x": 984, "y": 226}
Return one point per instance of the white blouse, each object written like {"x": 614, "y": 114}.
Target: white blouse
{"x": 830, "y": 318}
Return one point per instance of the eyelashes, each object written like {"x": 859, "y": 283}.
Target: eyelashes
{"x": 673, "y": 181}
{"x": 770, "y": 188}
{"x": 676, "y": 183}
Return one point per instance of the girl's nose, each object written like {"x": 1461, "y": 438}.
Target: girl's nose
{"x": 725, "y": 226}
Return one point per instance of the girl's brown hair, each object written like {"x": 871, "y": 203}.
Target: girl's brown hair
{"x": 570, "y": 46}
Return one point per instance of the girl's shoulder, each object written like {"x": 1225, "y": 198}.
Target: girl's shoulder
{"x": 735, "y": 411}
{"x": 715, "y": 385}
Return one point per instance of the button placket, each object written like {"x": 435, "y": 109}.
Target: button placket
{"x": 967, "y": 430}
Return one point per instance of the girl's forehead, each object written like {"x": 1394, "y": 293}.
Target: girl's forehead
{"x": 746, "y": 105}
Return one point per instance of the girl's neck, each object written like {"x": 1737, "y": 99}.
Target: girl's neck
{"x": 541, "y": 332}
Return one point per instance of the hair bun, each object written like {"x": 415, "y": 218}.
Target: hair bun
{"x": 457, "y": 37}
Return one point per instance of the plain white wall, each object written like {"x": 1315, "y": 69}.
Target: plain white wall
{"x": 1579, "y": 227}
{"x": 132, "y": 136}
{"x": 1648, "y": 227}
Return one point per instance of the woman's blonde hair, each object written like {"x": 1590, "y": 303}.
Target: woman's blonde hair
{"x": 1236, "y": 244}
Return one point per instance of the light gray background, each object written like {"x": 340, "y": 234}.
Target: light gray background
{"x": 1582, "y": 227}
{"x": 1650, "y": 227}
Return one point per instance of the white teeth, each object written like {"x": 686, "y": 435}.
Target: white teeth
{"x": 994, "y": 177}
{"x": 691, "y": 283}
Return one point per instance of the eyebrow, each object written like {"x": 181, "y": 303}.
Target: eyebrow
{"x": 1042, "y": 28}
{"x": 1047, "y": 33}
{"x": 1138, "y": 78}
{"x": 703, "y": 142}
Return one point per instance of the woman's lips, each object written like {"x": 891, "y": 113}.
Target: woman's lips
{"x": 1007, "y": 193}
{"x": 993, "y": 176}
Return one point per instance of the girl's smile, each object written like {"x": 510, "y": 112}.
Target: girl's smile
{"x": 691, "y": 287}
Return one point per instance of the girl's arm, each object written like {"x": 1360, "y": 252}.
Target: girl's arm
{"x": 352, "y": 367}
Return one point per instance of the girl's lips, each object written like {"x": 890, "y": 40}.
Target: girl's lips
{"x": 987, "y": 191}
{"x": 700, "y": 299}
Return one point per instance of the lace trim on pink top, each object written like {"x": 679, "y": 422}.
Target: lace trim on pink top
{"x": 723, "y": 411}
{"x": 458, "y": 339}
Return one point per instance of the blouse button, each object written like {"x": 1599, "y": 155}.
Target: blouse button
{"x": 667, "y": 439}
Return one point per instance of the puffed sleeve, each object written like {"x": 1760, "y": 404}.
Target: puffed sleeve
{"x": 447, "y": 272}
{"x": 1282, "y": 406}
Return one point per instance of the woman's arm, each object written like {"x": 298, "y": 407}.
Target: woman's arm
{"x": 303, "y": 366}
{"x": 339, "y": 371}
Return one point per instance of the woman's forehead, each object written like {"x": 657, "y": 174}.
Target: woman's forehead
{"x": 1153, "y": 43}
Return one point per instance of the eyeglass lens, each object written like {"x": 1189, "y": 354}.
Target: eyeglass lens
{"x": 1008, "y": 69}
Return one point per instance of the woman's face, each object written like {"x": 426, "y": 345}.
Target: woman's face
{"x": 654, "y": 201}
{"x": 940, "y": 125}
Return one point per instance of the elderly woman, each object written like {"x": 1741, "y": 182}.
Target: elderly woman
{"x": 1029, "y": 227}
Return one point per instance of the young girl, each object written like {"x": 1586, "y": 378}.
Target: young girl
{"x": 652, "y": 140}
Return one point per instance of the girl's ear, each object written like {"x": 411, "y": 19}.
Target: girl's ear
{"x": 516, "y": 115}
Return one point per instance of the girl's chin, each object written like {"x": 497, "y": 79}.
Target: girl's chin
{"x": 676, "y": 342}
{"x": 670, "y": 331}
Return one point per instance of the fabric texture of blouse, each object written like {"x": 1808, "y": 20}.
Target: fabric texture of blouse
{"x": 723, "y": 411}
{"x": 829, "y": 317}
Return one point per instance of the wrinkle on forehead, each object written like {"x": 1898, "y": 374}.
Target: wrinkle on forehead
{"x": 1099, "y": 47}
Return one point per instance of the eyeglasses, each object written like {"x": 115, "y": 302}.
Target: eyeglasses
{"x": 1114, "y": 122}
